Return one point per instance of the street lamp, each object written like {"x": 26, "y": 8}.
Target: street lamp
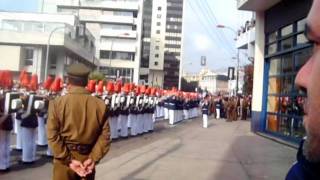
{"x": 181, "y": 73}
{"x": 235, "y": 32}
{"x": 110, "y": 53}
{"x": 48, "y": 49}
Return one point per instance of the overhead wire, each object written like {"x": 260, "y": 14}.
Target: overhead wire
{"x": 205, "y": 26}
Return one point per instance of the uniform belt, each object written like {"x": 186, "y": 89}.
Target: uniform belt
{"x": 80, "y": 148}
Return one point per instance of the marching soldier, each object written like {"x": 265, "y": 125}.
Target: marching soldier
{"x": 133, "y": 122}
{"x": 78, "y": 129}
{"x": 6, "y": 123}
{"x": 124, "y": 111}
{"x": 140, "y": 109}
{"x": 205, "y": 111}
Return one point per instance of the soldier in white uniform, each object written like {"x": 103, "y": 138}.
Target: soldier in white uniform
{"x": 6, "y": 125}
{"x": 124, "y": 111}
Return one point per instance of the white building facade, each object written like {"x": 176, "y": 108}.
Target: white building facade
{"x": 116, "y": 26}
{"x": 24, "y": 38}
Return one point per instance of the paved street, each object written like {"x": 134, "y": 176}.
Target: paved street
{"x": 224, "y": 151}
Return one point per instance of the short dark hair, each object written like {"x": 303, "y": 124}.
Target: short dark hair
{"x": 77, "y": 81}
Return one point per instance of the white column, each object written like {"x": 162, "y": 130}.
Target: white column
{"x": 258, "y": 63}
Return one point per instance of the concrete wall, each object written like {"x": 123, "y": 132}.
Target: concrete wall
{"x": 10, "y": 57}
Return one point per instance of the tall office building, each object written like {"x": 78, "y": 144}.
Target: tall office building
{"x": 136, "y": 40}
{"x": 116, "y": 25}
{"x": 161, "y": 42}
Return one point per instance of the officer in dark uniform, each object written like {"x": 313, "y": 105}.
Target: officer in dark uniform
{"x": 78, "y": 129}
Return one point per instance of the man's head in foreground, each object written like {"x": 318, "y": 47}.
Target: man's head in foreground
{"x": 78, "y": 75}
{"x": 307, "y": 79}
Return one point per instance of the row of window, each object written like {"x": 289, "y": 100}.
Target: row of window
{"x": 114, "y": 73}
{"x": 118, "y": 27}
{"x": 117, "y": 55}
{"x": 286, "y": 38}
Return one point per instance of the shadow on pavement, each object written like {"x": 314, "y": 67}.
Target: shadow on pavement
{"x": 255, "y": 158}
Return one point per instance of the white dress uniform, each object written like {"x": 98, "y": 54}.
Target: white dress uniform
{"x": 140, "y": 109}
{"x": 29, "y": 126}
{"x": 114, "y": 118}
{"x": 42, "y": 133}
{"x": 18, "y": 134}
{"x": 132, "y": 118}
{"x": 205, "y": 111}
{"x": 123, "y": 117}
{"x": 146, "y": 121}
{"x": 6, "y": 125}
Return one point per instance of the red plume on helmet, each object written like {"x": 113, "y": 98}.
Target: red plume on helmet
{"x": 91, "y": 87}
{"x": 143, "y": 89}
{"x": 48, "y": 83}
{"x": 25, "y": 80}
{"x": 22, "y": 74}
{"x": 56, "y": 85}
{"x": 33, "y": 86}
{"x": 117, "y": 88}
{"x": 1, "y": 79}
{"x": 7, "y": 81}
{"x": 148, "y": 91}
{"x": 110, "y": 87}
{"x": 153, "y": 91}
{"x": 126, "y": 88}
{"x": 137, "y": 90}
{"x": 100, "y": 87}
{"x": 131, "y": 86}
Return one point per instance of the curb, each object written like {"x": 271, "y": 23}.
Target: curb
{"x": 278, "y": 140}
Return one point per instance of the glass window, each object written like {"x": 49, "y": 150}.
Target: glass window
{"x": 272, "y": 37}
{"x": 287, "y": 43}
{"x": 301, "y": 24}
{"x": 158, "y": 23}
{"x": 287, "y": 84}
{"x": 33, "y": 27}
{"x": 274, "y": 66}
{"x": 302, "y": 57}
{"x": 159, "y": 8}
{"x": 286, "y": 30}
{"x": 156, "y": 55}
{"x": 287, "y": 64}
{"x": 117, "y": 55}
{"x": 116, "y": 27}
{"x": 273, "y": 104}
{"x": 272, "y": 48}
{"x": 301, "y": 39}
{"x": 274, "y": 85}
{"x": 158, "y": 15}
{"x": 157, "y": 47}
{"x": 28, "y": 56}
{"x": 11, "y": 25}
{"x": 158, "y": 31}
{"x": 122, "y": 13}
{"x": 272, "y": 122}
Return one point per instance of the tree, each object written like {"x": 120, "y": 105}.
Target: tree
{"x": 188, "y": 86}
{"x": 96, "y": 75}
{"x": 248, "y": 79}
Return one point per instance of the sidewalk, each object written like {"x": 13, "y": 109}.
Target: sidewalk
{"x": 224, "y": 151}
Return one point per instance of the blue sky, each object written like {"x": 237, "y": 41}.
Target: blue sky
{"x": 19, "y": 5}
{"x": 201, "y": 37}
